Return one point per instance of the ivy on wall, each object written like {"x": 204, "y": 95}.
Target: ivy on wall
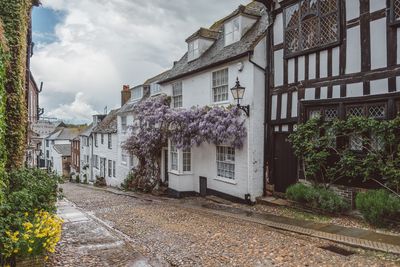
{"x": 15, "y": 16}
{"x": 3, "y": 62}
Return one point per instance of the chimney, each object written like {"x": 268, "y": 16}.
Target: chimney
{"x": 125, "y": 94}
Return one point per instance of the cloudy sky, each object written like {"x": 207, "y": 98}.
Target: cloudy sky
{"x": 85, "y": 50}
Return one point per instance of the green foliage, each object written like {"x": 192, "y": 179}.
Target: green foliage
{"x": 326, "y": 155}
{"x": 15, "y": 16}
{"x": 317, "y": 198}
{"x": 378, "y": 205}
{"x": 3, "y": 62}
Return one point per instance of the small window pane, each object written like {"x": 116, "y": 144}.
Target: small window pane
{"x": 220, "y": 85}
{"x": 177, "y": 95}
{"x": 174, "y": 157}
{"x": 187, "y": 158}
{"x": 226, "y": 162}
{"x": 377, "y": 111}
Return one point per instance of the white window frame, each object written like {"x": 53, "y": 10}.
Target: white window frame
{"x": 186, "y": 160}
{"x": 109, "y": 168}
{"x": 109, "y": 141}
{"x": 138, "y": 91}
{"x": 232, "y": 31}
{"x": 224, "y": 164}
{"x": 220, "y": 85}
{"x": 193, "y": 50}
{"x": 177, "y": 97}
{"x": 124, "y": 159}
{"x": 174, "y": 155}
{"x": 113, "y": 169}
{"x": 124, "y": 124}
{"x": 155, "y": 89}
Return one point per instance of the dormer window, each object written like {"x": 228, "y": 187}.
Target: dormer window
{"x": 155, "y": 88}
{"x": 193, "y": 50}
{"x": 137, "y": 93}
{"x": 232, "y": 31}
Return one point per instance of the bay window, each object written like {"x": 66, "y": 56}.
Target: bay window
{"x": 187, "y": 160}
{"x": 181, "y": 159}
{"x": 174, "y": 157}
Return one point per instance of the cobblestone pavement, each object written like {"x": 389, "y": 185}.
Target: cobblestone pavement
{"x": 180, "y": 236}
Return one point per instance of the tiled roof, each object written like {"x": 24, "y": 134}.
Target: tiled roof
{"x": 87, "y": 131}
{"x": 64, "y": 134}
{"x": 218, "y": 53}
{"x": 64, "y": 150}
{"x": 157, "y": 78}
{"x": 108, "y": 124}
{"x": 204, "y": 33}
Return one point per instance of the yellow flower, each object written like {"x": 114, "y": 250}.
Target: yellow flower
{"x": 30, "y": 250}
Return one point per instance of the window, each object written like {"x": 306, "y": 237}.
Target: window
{"x": 376, "y": 110}
{"x": 356, "y": 142}
{"x": 177, "y": 94}
{"x": 47, "y": 154}
{"x": 109, "y": 168}
{"x": 96, "y": 161}
{"x": 95, "y": 140}
{"x": 174, "y": 157}
{"x": 193, "y": 50}
{"x": 137, "y": 93}
{"x": 155, "y": 88}
{"x": 109, "y": 141}
{"x": 132, "y": 161}
{"x": 113, "y": 170}
{"x": 87, "y": 158}
{"x": 220, "y": 85}
{"x": 123, "y": 124}
{"x": 187, "y": 160}
{"x": 311, "y": 24}
{"x": 232, "y": 31}
{"x": 102, "y": 139}
{"x": 47, "y": 143}
{"x": 226, "y": 162}
{"x": 395, "y": 11}
{"x": 124, "y": 159}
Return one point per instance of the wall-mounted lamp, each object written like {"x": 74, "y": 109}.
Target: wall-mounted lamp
{"x": 238, "y": 93}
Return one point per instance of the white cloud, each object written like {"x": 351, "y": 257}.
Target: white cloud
{"x": 78, "y": 110}
{"x": 103, "y": 44}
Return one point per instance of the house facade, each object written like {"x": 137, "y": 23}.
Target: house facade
{"x": 85, "y": 154}
{"x": 76, "y": 155}
{"x": 330, "y": 58}
{"x": 232, "y": 49}
{"x": 105, "y": 149}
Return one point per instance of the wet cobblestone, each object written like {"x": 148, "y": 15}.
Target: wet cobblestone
{"x": 185, "y": 237}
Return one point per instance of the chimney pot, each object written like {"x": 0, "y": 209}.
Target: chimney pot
{"x": 125, "y": 94}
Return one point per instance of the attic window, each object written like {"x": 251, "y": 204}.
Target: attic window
{"x": 311, "y": 24}
{"x": 155, "y": 88}
{"x": 137, "y": 93}
{"x": 232, "y": 31}
{"x": 193, "y": 50}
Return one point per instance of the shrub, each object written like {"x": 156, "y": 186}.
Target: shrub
{"x": 317, "y": 198}
{"x": 100, "y": 182}
{"x": 85, "y": 180}
{"x": 77, "y": 179}
{"x": 377, "y": 205}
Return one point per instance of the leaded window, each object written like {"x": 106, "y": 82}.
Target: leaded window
{"x": 177, "y": 95}
{"x": 311, "y": 24}
{"x": 356, "y": 142}
{"x": 226, "y": 162}
{"x": 377, "y": 111}
{"x": 395, "y": 11}
{"x": 220, "y": 85}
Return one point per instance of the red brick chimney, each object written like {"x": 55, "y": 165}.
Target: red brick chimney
{"x": 125, "y": 94}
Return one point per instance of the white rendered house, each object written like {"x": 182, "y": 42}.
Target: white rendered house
{"x": 234, "y": 48}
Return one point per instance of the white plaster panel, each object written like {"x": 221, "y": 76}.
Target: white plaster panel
{"x": 278, "y": 67}
{"x": 398, "y": 45}
{"x": 379, "y": 87}
{"x": 375, "y": 5}
{"x": 295, "y": 102}
{"x": 335, "y": 61}
{"x": 355, "y": 89}
{"x": 311, "y": 66}
{"x": 284, "y": 104}
{"x": 291, "y": 70}
{"x": 353, "y": 9}
{"x": 301, "y": 68}
{"x": 278, "y": 29}
{"x": 324, "y": 93}
{"x": 309, "y": 94}
{"x": 323, "y": 64}
{"x": 378, "y": 43}
{"x": 398, "y": 83}
{"x": 353, "y": 51}
{"x": 274, "y": 106}
{"x": 336, "y": 91}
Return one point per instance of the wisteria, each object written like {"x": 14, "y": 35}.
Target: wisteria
{"x": 184, "y": 127}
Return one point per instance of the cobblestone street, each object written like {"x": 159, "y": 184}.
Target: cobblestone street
{"x": 164, "y": 230}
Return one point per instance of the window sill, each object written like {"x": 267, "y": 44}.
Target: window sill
{"x": 177, "y": 173}
{"x": 226, "y": 180}
{"x": 227, "y": 102}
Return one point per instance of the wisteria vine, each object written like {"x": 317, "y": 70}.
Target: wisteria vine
{"x": 184, "y": 127}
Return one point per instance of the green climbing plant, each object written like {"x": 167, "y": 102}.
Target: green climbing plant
{"x": 3, "y": 64}
{"x": 355, "y": 148}
{"x": 16, "y": 20}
